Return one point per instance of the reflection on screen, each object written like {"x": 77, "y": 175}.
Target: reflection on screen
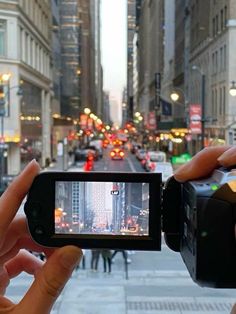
{"x": 113, "y": 208}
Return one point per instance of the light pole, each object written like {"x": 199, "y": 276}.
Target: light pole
{"x": 175, "y": 97}
{"x": 203, "y": 87}
{"x": 232, "y": 89}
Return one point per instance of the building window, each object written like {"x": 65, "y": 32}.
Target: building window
{"x": 225, "y": 57}
{"x": 217, "y": 24}
{"x": 222, "y": 19}
{"x": 226, "y": 15}
{"x": 213, "y": 27}
{"x": 2, "y": 37}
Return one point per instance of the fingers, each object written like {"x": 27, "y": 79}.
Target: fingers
{"x": 16, "y": 238}
{"x": 51, "y": 279}
{"x": 13, "y": 196}
{"x": 23, "y": 261}
{"x": 228, "y": 158}
{"x": 202, "y": 164}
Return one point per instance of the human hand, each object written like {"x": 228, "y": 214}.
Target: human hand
{"x": 50, "y": 277}
{"x": 204, "y": 162}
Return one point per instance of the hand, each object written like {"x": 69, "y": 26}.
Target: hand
{"x": 50, "y": 277}
{"x": 203, "y": 163}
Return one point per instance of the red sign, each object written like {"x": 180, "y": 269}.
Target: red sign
{"x": 151, "y": 123}
{"x": 195, "y": 116}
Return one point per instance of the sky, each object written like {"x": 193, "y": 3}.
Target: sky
{"x": 114, "y": 51}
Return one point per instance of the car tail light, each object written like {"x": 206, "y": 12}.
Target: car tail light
{"x": 122, "y": 154}
{"x": 112, "y": 154}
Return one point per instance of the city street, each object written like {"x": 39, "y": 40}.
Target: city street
{"x": 158, "y": 282}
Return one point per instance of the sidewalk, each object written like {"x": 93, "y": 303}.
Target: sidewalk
{"x": 99, "y": 293}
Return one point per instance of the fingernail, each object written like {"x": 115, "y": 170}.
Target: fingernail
{"x": 71, "y": 257}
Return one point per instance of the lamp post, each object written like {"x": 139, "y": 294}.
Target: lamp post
{"x": 232, "y": 89}
{"x": 203, "y": 87}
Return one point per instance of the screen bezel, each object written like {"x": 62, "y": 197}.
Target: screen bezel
{"x": 43, "y": 192}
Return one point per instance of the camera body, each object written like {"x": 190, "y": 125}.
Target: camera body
{"x": 199, "y": 222}
{"x": 130, "y": 211}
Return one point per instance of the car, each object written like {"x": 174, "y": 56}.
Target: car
{"x": 81, "y": 154}
{"x": 117, "y": 153}
{"x": 140, "y": 154}
{"x": 135, "y": 147}
{"x": 165, "y": 168}
{"x": 152, "y": 158}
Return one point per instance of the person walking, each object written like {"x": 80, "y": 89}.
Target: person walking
{"x": 95, "y": 254}
{"x": 106, "y": 255}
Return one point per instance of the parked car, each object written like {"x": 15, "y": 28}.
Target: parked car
{"x": 165, "y": 168}
{"x": 81, "y": 154}
{"x": 154, "y": 157}
{"x": 135, "y": 147}
{"x": 141, "y": 153}
{"x": 98, "y": 144}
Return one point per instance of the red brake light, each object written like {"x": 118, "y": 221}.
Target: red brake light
{"x": 122, "y": 154}
{"x": 112, "y": 154}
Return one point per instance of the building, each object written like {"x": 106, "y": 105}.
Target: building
{"x": 131, "y": 27}
{"x": 96, "y": 68}
{"x": 150, "y": 54}
{"x": 25, "y": 55}
{"x": 212, "y": 55}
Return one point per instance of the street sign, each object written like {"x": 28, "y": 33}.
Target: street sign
{"x": 181, "y": 159}
{"x": 115, "y": 192}
{"x": 195, "y": 116}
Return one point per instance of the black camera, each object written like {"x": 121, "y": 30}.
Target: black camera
{"x": 199, "y": 222}
{"x": 130, "y": 211}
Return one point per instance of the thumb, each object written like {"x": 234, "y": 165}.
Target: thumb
{"x": 50, "y": 280}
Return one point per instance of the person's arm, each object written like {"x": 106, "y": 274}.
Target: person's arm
{"x": 50, "y": 277}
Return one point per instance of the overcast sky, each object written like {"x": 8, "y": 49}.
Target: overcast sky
{"x": 114, "y": 47}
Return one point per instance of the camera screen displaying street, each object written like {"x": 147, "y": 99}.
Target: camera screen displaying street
{"x": 117, "y": 208}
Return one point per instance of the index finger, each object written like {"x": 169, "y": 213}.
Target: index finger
{"x": 11, "y": 199}
{"x": 202, "y": 164}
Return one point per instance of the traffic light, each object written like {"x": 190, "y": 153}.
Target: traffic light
{"x": 2, "y": 101}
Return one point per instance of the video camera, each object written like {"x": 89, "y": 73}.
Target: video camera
{"x": 131, "y": 210}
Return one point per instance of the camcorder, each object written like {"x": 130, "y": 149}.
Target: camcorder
{"x": 130, "y": 211}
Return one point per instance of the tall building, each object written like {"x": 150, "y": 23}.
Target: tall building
{"x": 212, "y": 55}
{"x": 70, "y": 58}
{"x": 97, "y": 71}
{"x": 150, "y": 53}
{"x": 25, "y": 34}
{"x": 131, "y": 25}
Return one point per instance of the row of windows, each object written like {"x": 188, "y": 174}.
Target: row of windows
{"x": 36, "y": 13}
{"x": 2, "y": 38}
{"x": 219, "y": 22}
{"x": 218, "y": 101}
{"x": 32, "y": 53}
{"x": 219, "y": 60}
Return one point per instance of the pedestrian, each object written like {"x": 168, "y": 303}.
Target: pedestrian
{"x": 106, "y": 255}
{"x": 95, "y": 254}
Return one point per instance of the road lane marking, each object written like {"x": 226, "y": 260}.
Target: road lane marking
{"x": 131, "y": 165}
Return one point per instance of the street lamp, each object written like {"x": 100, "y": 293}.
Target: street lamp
{"x": 174, "y": 96}
{"x": 232, "y": 89}
{"x": 203, "y": 86}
